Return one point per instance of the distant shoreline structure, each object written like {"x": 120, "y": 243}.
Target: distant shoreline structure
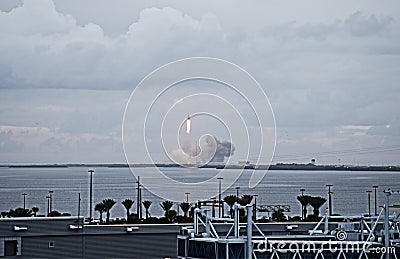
{"x": 279, "y": 166}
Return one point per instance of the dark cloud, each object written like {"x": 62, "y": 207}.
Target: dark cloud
{"x": 224, "y": 150}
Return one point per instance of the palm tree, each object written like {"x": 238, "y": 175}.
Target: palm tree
{"x": 230, "y": 200}
{"x": 245, "y": 199}
{"x": 316, "y": 203}
{"x": 166, "y": 206}
{"x": 4, "y": 214}
{"x": 108, "y": 204}
{"x": 20, "y": 212}
{"x": 304, "y": 201}
{"x": 171, "y": 215}
{"x": 185, "y": 206}
{"x": 147, "y": 205}
{"x": 100, "y": 208}
{"x": 128, "y": 205}
{"x": 278, "y": 215}
{"x": 35, "y": 210}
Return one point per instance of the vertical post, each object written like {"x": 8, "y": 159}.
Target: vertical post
{"x": 362, "y": 228}
{"x": 236, "y": 220}
{"x": 249, "y": 248}
{"x": 208, "y": 228}
{"x": 255, "y": 207}
{"x": 138, "y": 197}
{"x": 24, "y": 194}
{"x": 187, "y": 196}
{"x": 376, "y": 206}
{"x": 213, "y": 207}
{"x": 48, "y": 205}
{"x": 330, "y": 198}
{"x": 91, "y": 194}
{"x": 302, "y": 206}
{"x": 219, "y": 197}
{"x": 326, "y": 226}
{"x": 237, "y": 192}
{"x": 386, "y": 223}
{"x": 140, "y": 203}
{"x": 196, "y": 221}
{"x": 79, "y": 207}
{"x": 51, "y": 201}
{"x": 369, "y": 203}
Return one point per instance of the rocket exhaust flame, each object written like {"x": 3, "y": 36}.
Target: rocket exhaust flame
{"x": 188, "y": 125}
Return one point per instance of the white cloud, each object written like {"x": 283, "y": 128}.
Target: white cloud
{"x": 321, "y": 70}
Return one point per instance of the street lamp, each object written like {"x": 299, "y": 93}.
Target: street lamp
{"x": 219, "y": 197}
{"x": 302, "y": 191}
{"x": 51, "y": 201}
{"x": 24, "y": 194}
{"x": 369, "y": 202}
{"x": 237, "y": 192}
{"x": 187, "y": 196}
{"x": 375, "y": 187}
{"x": 91, "y": 171}
{"x": 330, "y": 198}
{"x": 255, "y": 207}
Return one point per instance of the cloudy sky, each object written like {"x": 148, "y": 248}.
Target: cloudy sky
{"x": 331, "y": 70}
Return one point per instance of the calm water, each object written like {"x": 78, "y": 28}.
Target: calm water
{"x": 278, "y": 187}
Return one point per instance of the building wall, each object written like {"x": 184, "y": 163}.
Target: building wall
{"x": 100, "y": 246}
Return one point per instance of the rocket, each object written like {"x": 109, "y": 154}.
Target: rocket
{"x": 188, "y": 125}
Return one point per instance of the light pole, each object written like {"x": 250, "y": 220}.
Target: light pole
{"x": 91, "y": 171}
{"x": 369, "y": 203}
{"x": 139, "y": 199}
{"x": 51, "y": 201}
{"x": 302, "y": 206}
{"x": 255, "y": 207}
{"x": 187, "y": 196}
{"x": 375, "y": 187}
{"x": 219, "y": 197}
{"x": 48, "y": 205}
{"x": 237, "y": 192}
{"x": 330, "y": 198}
{"x": 24, "y": 194}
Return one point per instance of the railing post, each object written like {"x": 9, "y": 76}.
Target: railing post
{"x": 236, "y": 220}
{"x": 387, "y": 223}
{"x": 249, "y": 242}
{"x": 196, "y": 221}
{"x": 208, "y": 228}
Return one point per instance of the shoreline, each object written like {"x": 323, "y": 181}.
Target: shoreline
{"x": 280, "y": 166}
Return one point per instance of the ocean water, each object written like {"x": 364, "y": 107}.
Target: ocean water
{"x": 278, "y": 187}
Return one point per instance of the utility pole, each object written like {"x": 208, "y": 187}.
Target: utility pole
{"x": 24, "y": 194}
{"x": 369, "y": 203}
{"x": 138, "y": 198}
{"x": 219, "y": 198}
{"x": 330, "y": 198}
{"x": 302, "y": 206}
{"x": 91, "y": 195}
{"x": 79, "y": 207}
{"x": 48, "y": 205}
{"x": 237, "y": 192}
{"x": 255, "y": 207}
{"x": 187, "y": 196}
{"x": 375, "y": 187}
{"x": 51, "y": 201}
